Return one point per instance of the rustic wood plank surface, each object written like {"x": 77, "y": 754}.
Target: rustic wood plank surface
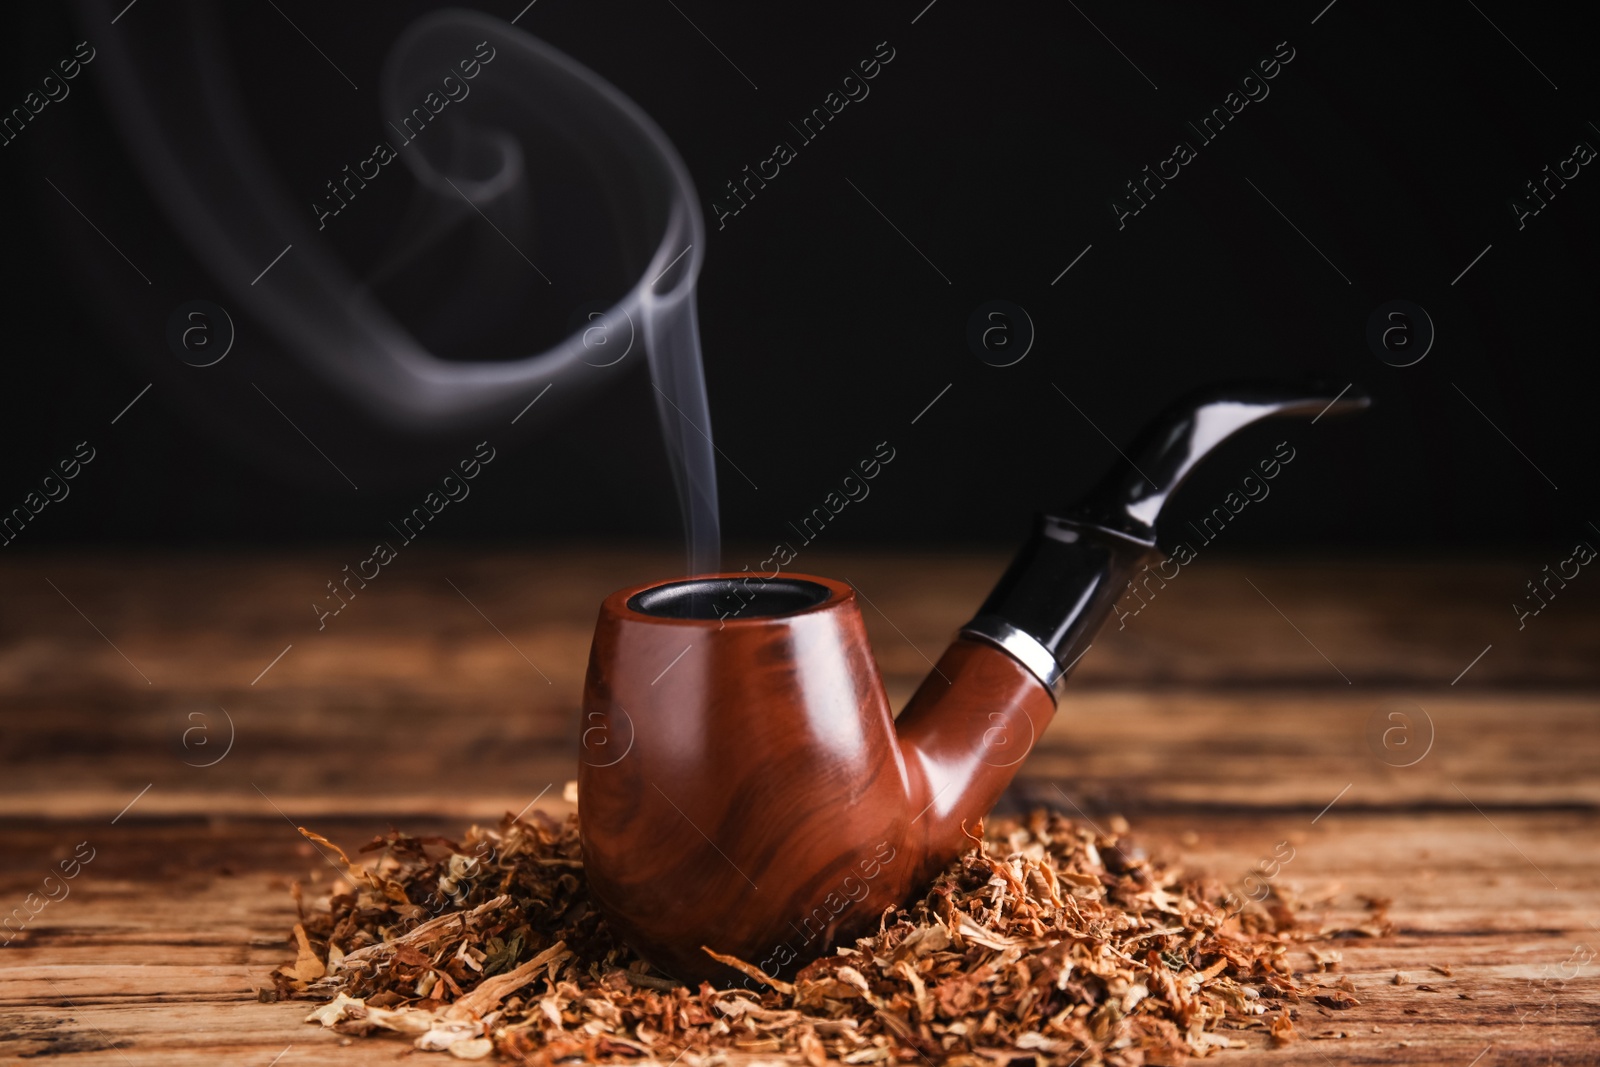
{"x": 1244, "y": 705}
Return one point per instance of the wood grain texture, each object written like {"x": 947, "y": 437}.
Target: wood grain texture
{"x": 172, "y": 928}
{"x": 1220, "y": 722}
{"x": 745, "y": 786}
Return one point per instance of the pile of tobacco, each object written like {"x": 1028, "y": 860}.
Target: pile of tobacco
{"x": 1046, "y": 941}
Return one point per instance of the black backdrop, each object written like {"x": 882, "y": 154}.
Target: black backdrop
{"x": 835, "y": 306}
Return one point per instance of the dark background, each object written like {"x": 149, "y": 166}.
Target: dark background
{"x": 994, "y": 141}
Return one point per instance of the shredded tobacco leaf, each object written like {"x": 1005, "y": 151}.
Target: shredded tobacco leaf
{"x": 1046, "y": 942}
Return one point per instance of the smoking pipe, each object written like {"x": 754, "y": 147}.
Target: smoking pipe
{"x": 743, "y": 784}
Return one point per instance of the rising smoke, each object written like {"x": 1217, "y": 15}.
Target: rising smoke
{"x": 568, "y": 171}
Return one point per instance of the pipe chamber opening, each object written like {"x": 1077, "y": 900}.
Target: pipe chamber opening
{"x": 694, "y": 599}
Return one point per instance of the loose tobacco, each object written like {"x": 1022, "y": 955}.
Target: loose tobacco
{"x": 1046, "y": 940}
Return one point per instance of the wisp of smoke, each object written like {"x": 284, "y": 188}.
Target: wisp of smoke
{"x": 574, "y": 176}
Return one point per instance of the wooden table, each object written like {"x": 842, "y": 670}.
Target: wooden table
{"x": 1245, "y": 705}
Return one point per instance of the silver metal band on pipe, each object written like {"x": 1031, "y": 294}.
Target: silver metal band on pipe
{"x": 1020, "y": 646}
